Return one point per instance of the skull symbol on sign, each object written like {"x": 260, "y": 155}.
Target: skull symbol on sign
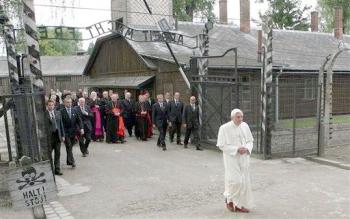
{"x": 30, "y": 178}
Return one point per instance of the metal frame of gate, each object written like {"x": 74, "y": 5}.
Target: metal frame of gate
{"x": 210, "y": 80}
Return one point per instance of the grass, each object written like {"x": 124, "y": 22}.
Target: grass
{"x": 311, "y": 122}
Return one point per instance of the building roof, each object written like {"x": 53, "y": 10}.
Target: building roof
{"x": 304, "y": 50}
{"x": 98, "y": 45}
{"x": 295, "y": 50}
{"x": 136, "y": 82}
{"x": 54, "y": 65}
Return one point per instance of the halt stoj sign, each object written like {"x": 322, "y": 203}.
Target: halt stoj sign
{"x": 31, "y": 185}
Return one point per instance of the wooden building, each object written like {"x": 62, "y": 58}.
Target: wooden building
{"x": 59, "y": 72}
{"x": 121, "y": 64}
{"x": 115, "y": 64}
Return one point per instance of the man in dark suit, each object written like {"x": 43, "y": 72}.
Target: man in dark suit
{"x": 160, "y": 120}
{"x": 175, "y": 116}
{"x": 167, "y": 100}
{"x": 128, "y": 112}
{"x": 191, "y": 123}
{"x": 72, "y": 126}
{"x": 85, "y": 115}
{"x": 56, "y": 135}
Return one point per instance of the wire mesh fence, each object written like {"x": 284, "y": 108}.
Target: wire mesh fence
{"x": 294, "y": 112}
{"x": 136, "y": 14}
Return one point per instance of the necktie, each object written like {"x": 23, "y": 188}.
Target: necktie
{"x": 53, "y": 120}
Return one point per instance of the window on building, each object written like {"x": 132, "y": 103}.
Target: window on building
{"x": 63, "y": 78}
{"x": 310, "y": 88}
{"x": 245, "y": 93}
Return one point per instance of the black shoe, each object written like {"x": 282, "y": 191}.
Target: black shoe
{"x": 73, "y": 165}
{"x": 199, "y": 149}
{"x": 164, "y": 148}
{"x": 185, "y": 146}
{"x": 58, "y": 173}
{"x": 84, "y": 155}
{"x": 158, "y": 144}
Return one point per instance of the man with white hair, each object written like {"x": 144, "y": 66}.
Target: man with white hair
{"x": 85, "y": 115}
{"x": 236, "y": 142}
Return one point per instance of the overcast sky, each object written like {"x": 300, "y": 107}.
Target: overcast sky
{"x": 81, "y": 17}
{"x": 84, "y": 17}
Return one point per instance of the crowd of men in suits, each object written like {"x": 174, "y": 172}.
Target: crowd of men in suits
{"x": 78, "y": 117}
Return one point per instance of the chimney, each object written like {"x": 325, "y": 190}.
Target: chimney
{"x": 338, "y": 30}
{"x": 259, "y": 46}
{"x": 223, "y": 11}
{"x": 244, "y": 16}
{"x": 314, "y": 21}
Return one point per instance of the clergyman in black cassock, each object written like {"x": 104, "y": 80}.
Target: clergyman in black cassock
{"x": 114, "y": 111}
{"x": 141, "y": 119}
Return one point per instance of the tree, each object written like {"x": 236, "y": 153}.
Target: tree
{"x": 327, "y": 11}
{"x": 287, "y": 14}
{"x": 14, "y": 10}
{"x": 56, "y": 47}
{"x": 185, "y": 10}
{"x": 90, "y": 48}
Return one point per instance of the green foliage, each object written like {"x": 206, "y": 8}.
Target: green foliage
{"x": 184, "y": 10}
{"x": 60, "y": 47}
{"x": 90, "y": 48}
{"x": 13, "y": 9}
{"x": 287, "y": 14}
{"x": 327, "y": 18}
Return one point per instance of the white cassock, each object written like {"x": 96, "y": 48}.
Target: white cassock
{"x": 237, "y": 178}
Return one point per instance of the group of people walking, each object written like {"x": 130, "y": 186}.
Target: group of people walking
{"x": 81, "y": 118}
{"x": 78, "y": 117}
{"x": 173, "y": 113}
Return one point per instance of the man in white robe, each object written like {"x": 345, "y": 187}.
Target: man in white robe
{"x": 236, "y": 141}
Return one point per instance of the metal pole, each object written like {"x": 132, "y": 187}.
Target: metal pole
{"x": 294, "y": 116}
{"x": 320, "y": 108}
{"x": 236, "y": 79}
{"x": 34, "y": 82}
{"x": 262, "y": 105}
{"x": 325, "y": 125}
{"x": 277, "y": 98}
{"x": 221, "y": 105}
{"x": 258, "y": 128}
{"x": 267, "y": 93}
{"x": 8, "y": 140}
